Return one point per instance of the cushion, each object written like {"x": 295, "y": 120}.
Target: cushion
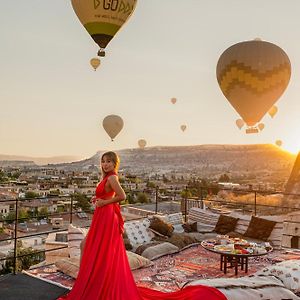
{"x": 175, "y": 218}
{"x": 250, "y": 288}
{"x": 160, "y": 226}
{"x": 190, "y": 227}
{"x": 287, "y": 271}
{"x": 259, "y": 228}
{"x": 140, "y": 249}
{"x": 225, "y": 224}
{"x": 136, "y": 261}
{"x": 178, "y": 228}
{"x": 69, "y": 266}
{"x": 138, "y": 232}
{"x": 75, "y": 236}
{"x": 159, "y": 250}
{"x": 182, "y": 240}
{"x": 126, "y": 240}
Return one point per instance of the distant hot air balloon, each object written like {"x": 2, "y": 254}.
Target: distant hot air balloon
{"x": 95, "y": 63}
{"x": 261, "y": 126}
{"x": 142, "y": 143}
{"x": 103, "y": 19}
{"x": 173, "y": 100}
{"x": 239, "y": 123}
{"x": 112, "y": 124}
{"x": 183, "y": 128}
{"x": 273, "y": 111}
{"x": 278, "y": 143}
{"x": 252, "y": 76}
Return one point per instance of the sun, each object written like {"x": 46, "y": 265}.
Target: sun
{"x": 292, "y": 145}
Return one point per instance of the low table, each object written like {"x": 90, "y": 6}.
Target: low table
{"x": 231, "y": 260}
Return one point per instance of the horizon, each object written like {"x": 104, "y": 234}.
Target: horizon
{"x": 53, "y": 102}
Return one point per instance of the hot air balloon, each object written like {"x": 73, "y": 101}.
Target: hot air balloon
{"x": 173, "y": 100}
{"x": 112, "y": 124}
{"x": 273, "y": 111}
{"x": 95, "y": 63}
{"x": 183, "y": 128}
{"x": 252, "y": 76}
{"x": 261, "y": 126}
{"x": 278, "y": 143}
{"x": 239, "y": 123}
{"x": 142, "y": 143}
{"x": 103, "y": 19}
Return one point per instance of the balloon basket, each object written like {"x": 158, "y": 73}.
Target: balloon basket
{"x": 101, "y": 53}
{"x": 252, "y": 130}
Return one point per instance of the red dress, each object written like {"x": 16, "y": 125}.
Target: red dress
{"x": 105, "y": 273}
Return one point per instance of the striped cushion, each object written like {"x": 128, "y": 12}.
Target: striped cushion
{"x": 75, "y": 236}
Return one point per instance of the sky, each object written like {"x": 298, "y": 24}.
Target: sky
{"x": 53, "y": 102}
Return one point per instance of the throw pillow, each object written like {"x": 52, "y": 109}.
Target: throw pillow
{"x": 259, "y": 228}
{"x": 140, "y": 249}
{"x": 159, "y": 250}
{"x": 136, "y": 261}
{"x": 225, "y": 224}
{"x": 181, "y": 240}
{"x": 287, "y": 271}
{"x": 126, "y": 240}
{"x": 190, "y": 227}
{"x": 161, "y": 226}
{"x": 68, "y": 266}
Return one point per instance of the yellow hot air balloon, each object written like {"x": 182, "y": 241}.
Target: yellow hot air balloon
{"x": 278, "y": 143}
{"x": 273, "y": 111}
{"x": 173, "y": 100}
{"x": 95, "y": 63}
{"x": 142, "y": 143}
{"x": 252, "y": 76}
{"x": 103, "y": 19}
{"x": 239, "y": 123}
{"x": 261, "y": 126}
{"x": 183, "y": 128}
{"x": 112, "y": 124}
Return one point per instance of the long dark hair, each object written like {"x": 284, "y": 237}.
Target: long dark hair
{"x": 114, "y": 157}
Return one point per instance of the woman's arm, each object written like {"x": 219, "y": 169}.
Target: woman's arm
{"x": 116, "y": 187}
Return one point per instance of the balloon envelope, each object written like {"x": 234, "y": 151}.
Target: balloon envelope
{"x": 278, "y": 143}
{"x": 183, "y": 127}
{"x": 103, "y": 19}
{"x": 273, "y": 111}
{"x": 95, "y": 63}
{"x": 261, "y": 126}
{"x": 239, "y": 123}
{"x": 173, "y": 100}
{"x": 112, "y": 124}
{"x": 252, "y": 76}
{"x": 142, "y": 143}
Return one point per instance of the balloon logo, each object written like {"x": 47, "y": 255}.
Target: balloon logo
{"x": 183, "y": 128}
{"x": 261, "y": 126}
{"x": 173, "y": 100}
{"x": 95, "y": 63}
{"x": 103, "y": 19}
{"x": 252, "y": 76}
{"x": 239, "y": 123}
{"x": 142, "y": 143}
{"x": 112, "y": 124}
{"x": 278, "y": 143}
{"x": 273, "y": 111}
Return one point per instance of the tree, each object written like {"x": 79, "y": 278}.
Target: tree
{"x": 81, "y": 201}
{"x": 224, "y": 178}
{"x": 31, "y": 195}
{"x": 142, "y": 198}
{"x": 186, "y": 193}
{"x": 42, "y": 213}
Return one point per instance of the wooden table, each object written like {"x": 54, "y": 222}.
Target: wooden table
{"x": 230, "y": 260}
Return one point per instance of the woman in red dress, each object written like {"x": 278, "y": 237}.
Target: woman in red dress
{"x": 104, "y": 272}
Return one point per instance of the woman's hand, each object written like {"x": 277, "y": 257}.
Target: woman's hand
{"x": 93, "y": 199}
{"x": 100, "y": 202}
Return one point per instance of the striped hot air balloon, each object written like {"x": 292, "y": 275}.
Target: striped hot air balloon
{"x": 103, "y": 19}
{"x": 252, "y": 76}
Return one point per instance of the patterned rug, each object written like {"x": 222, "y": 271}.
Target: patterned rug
{"x": 170, "y": 272}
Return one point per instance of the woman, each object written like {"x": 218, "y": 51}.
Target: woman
{"x": 104, "y": 272}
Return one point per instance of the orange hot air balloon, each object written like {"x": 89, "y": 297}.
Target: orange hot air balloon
{"x": 112, "y": 124}
{"x": 173, "y": 100}
{"x": 142, "y": 143}
{"x": 278, "y": 143}
{"x": 95, "y": 63}
{"x": 239, "y": 123}
{"x": 183, "y": 128}
{"x": 273, "y": 111}
{"x": 261, "y": 126}
{"x": 252, "y": 76}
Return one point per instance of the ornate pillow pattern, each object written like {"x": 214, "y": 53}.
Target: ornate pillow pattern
{"x": 287, "y": 271}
